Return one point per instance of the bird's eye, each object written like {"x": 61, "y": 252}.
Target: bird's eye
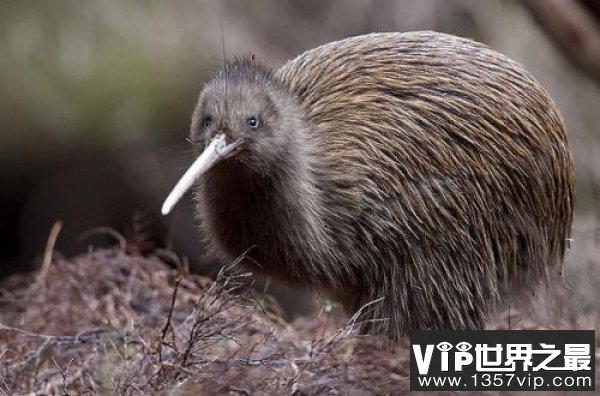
{"x": 206, "y": 122}
{"x": 252, "y": 122}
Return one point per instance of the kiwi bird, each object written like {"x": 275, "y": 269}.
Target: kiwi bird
{"x": 422, "y": 169}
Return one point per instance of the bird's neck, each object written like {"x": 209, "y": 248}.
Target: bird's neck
{"x": 272, "y": 215}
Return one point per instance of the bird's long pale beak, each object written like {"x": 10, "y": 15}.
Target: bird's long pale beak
{"x": 217, "y": 150}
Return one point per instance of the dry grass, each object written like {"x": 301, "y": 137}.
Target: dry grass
{"x": 113, "y": 323}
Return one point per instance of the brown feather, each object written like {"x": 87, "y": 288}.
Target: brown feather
{"x": 420, "y": 167}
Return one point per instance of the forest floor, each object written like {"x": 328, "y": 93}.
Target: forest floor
{"x": 110, "y": 322}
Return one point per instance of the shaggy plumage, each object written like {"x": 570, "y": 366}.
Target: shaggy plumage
{"x": 420, "y": 167}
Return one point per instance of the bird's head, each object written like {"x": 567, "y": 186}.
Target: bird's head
{"x": 244, "y": 117}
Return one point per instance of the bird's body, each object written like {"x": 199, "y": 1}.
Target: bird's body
{"x": 421, "y": 168}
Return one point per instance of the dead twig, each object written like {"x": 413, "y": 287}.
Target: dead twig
{"x": 165, "y": 328}
{"x": 47, "y": 260}
{"x": 324, "y": 346}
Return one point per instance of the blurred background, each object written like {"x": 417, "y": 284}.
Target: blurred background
{"x": 96, "y": 97}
